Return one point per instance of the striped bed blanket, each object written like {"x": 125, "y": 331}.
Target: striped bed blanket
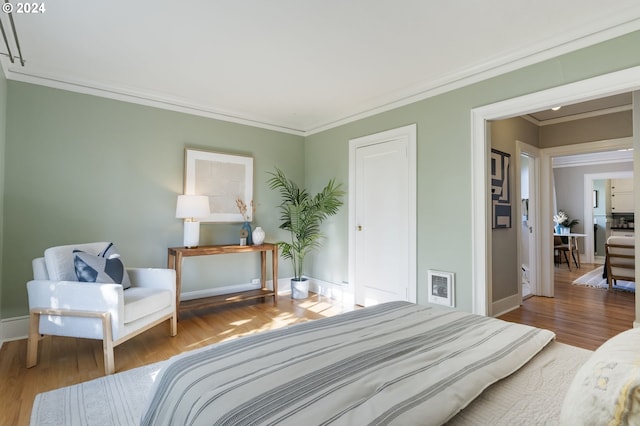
{"x": 395, "y": 363}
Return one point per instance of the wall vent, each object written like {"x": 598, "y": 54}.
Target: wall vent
{"x": 441, "y": 288}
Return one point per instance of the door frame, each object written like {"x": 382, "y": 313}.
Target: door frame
{"x": 589, "y": 240}
{"x": 410, "y": 134}
{"x": 627, "y": 80}
{"x": 533, "y": 153}
{"x": 546, "y": 192}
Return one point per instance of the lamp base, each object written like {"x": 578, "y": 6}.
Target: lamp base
{"x": 191, "y": 234}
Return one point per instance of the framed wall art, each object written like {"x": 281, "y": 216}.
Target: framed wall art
{"x": 224, "y": 178}
{"x": 500, "y": 189}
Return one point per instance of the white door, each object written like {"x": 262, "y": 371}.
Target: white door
{"x": 530, "y": 218}
{"x": 384, "y": 219}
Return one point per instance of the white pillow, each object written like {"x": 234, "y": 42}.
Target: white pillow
{"x": 606, "y": 389}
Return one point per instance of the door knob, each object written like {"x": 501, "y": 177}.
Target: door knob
{"x": 359, "y": 228}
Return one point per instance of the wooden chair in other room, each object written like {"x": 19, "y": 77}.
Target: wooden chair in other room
{"x": 620, "y": 259}
{"x": 560, "y": 249}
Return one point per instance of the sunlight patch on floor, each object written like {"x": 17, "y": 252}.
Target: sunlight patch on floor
{"x": 324, "y": 308}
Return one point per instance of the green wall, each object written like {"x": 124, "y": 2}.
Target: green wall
{"x": 444, "y": 158}
{"x": 82, "y": 168}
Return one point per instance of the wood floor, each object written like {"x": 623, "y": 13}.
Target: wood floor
{"x": 579, "y": 316}
{"x": 66, "y": 361}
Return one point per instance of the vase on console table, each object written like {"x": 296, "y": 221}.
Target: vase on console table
{"x": 258, "y": 236}
{"x": 247, "y": 227}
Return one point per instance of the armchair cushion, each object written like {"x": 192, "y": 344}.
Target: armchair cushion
{"x": 142, "y": 301}
{"x": 105, "y": 267}
{"x": 59, "y": 260}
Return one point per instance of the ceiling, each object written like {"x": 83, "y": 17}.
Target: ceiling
{"x": 607, "y": 105}
{"x": 291, "y": 65}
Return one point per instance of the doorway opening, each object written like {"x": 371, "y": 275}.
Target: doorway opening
{"x": 605, "y": 85}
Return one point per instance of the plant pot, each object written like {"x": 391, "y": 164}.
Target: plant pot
{"x": 300, "y": 288}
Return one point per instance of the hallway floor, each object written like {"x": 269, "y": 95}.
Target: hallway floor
{"x": 580, "y": 316}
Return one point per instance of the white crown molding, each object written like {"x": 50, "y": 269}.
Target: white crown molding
{"x": 589, "y": 159}
{"x": 531, "y": 120}
{"x": 580, "y": 116}
{"x": 142, "y": 98}
{"x": 501, "y": 64}
{"x": 515, "y": 60}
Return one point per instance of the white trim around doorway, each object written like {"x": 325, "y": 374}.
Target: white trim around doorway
{"x": 605, "y": 85}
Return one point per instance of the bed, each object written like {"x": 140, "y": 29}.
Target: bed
{"x": 395, "y": 363}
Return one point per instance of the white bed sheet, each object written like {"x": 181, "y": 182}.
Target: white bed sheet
{"x": 532, "y": 396}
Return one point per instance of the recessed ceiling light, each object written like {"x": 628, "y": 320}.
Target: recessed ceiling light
{"x": 556, "y": 108}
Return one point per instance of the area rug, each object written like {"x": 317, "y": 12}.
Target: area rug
{"x": 594, "y": 279}
{"x": 118, "y": 399}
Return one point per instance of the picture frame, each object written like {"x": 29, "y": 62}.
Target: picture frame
{"x": 500, "y": 189}
{"x": 224, "y": 178}
{"x": 441, "y": 288}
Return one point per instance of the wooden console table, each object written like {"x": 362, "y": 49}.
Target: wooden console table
{"x": 174, "y": 261}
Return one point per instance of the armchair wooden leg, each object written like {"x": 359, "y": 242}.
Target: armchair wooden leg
{"x": 107, "y": 344}
{"x": 34, "y": 336}
{"x": 173, "y": 322}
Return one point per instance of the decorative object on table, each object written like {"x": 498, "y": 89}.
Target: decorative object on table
{"x": 190, "y": 208}
{"x": 246, "y": 230}
{"x": 243, "y": 236}
{"x": 500, "y": 189}
{"x": 258, "y": 236}
{"x": 224, "y": 178}
{"x": 301, "y": 214}
{"x": 246, "y": 226}
{"x": 564, "y": 223}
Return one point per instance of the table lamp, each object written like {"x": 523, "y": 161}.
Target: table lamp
{"x": 191, "y": 208}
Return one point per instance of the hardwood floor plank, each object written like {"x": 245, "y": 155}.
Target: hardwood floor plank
{"x": 63, "y": 361}
{"x": 579, "y": 316}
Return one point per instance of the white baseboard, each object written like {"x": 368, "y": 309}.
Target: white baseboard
{"x": 337, "y": 292}
{"x": 505, "y": 305}
{"x": 198, "y": 294}
{"x": 14, "y": 329}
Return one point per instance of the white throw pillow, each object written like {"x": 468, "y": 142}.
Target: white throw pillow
{"x": 606, "y": 389}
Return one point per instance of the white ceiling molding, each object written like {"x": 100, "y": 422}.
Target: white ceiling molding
{"x": 261, "y": 75}
{"x": 147, "y": 99}
{"x": 608, "y": 157}
{"x": 581, "y": 116}
{"x": 485, "y": 71}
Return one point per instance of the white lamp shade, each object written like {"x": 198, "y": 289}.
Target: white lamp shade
{"x": 192, "y": 206}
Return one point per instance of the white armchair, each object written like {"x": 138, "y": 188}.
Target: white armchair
{"x": 60, "y": 305}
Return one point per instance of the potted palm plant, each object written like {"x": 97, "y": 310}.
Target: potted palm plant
{"x": 301, "y": 214}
